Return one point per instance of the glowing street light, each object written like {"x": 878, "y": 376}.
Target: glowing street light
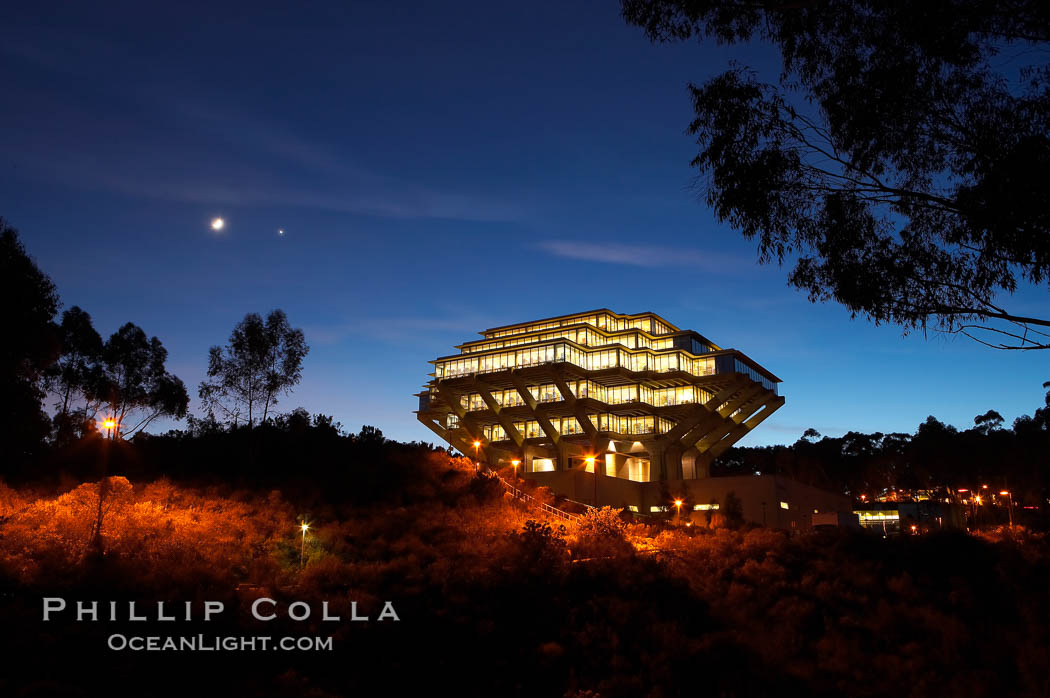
{"x": 589, "y": 460}
{"x": 302, "y": 549}
{"x": 110, "y": 424}
{"x": 678, "y": 505}
{"x": 515, "y": 463}
{"x": 477, "y": 445}
{"x": 975, "y": 501}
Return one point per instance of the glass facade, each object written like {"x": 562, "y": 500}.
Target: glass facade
{"x": 604, "y": 319}
{"x": 754, "y": 375}
{"x": 569, "y": 426}
{"x": 586, "y": 336}
{"x": 610, "y": 395}
{"x": 588, "y": 359}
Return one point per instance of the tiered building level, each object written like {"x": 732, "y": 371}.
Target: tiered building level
{"x": 625, "y": 396}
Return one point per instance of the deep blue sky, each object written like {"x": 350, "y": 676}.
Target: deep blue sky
{"x": 438, "y": 170}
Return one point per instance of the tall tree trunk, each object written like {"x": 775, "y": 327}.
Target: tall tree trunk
{"x": 74, "y": 359}
{"x": 269, "y": 387}
{"x": 103, "y": 490}
{"x": 65, "y": 400}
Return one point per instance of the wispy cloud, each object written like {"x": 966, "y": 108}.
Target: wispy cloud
{"x": 646, "y": 255}
{"x": 398, "y": 200}
{"x": 798, "y": 429}
{"x": 292, "y": 177}
{"x": 398, "y": 329}
{"x": 151, "y": 143}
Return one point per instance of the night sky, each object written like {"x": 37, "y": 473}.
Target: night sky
{"x": 437, "y": 170}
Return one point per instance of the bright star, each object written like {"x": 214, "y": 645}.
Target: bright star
{"x": 218, "y": 224}
{"x": 280, "y": 231}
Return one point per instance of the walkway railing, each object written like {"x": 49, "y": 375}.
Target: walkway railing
{"x": 532, "y": 501}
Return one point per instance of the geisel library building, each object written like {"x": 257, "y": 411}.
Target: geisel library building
{"x": 613, "y": 409}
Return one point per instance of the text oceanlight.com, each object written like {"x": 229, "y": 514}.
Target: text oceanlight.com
{"x": 204, "y": 643}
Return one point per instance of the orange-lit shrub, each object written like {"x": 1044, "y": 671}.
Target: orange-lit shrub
{"x": 157, "y": 525}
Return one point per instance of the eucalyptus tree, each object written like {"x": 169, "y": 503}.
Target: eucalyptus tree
{"x": 134, "y": 383}
{"x": 898, "y": 161}
{"x": 76, "y": 378}
{"x": 262, "y": 361}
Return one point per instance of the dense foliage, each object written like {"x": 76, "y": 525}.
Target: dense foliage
{"x": 29, "y": 348}
{"x": 897, "y": 162}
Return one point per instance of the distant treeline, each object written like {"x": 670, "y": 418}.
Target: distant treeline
{"x": 936, "y": 456}
{"x": 311, "y": 459}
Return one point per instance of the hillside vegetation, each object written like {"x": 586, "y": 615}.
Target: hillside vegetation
{"x": 494, "y": 600}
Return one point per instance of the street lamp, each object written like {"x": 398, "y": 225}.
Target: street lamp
{"x": 976, "y": 501}
{"x": 516, "y": 463}
{"x": 302, "y": 548}
{"x": 589, "y": 460}
{"x": 678, "y": 505}
{"x": 111, "y": 425}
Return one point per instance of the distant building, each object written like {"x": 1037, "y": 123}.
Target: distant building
{"x": 602, "y": 407}
{"x": 896, "y": 518}
{"x": 767, "y": 500}
{"x": 640, "y": 397}
{"x": 835, "y": 519}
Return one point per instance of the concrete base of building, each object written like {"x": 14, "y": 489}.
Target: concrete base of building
{"x": 768, "y": 500}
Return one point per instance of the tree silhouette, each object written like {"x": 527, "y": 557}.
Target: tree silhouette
{"x": 988, "y": 421}
{"x": 110, "y": 492}
{"x": 29, "y": 348}
{"x": 135, "y": 384}
{"x": 370, "y": 435}
{"x": 261, "y": 361}
{"x": 77, "y": 374}
{"x": 733, "y": 510}
{"x": 899, "y": 164}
